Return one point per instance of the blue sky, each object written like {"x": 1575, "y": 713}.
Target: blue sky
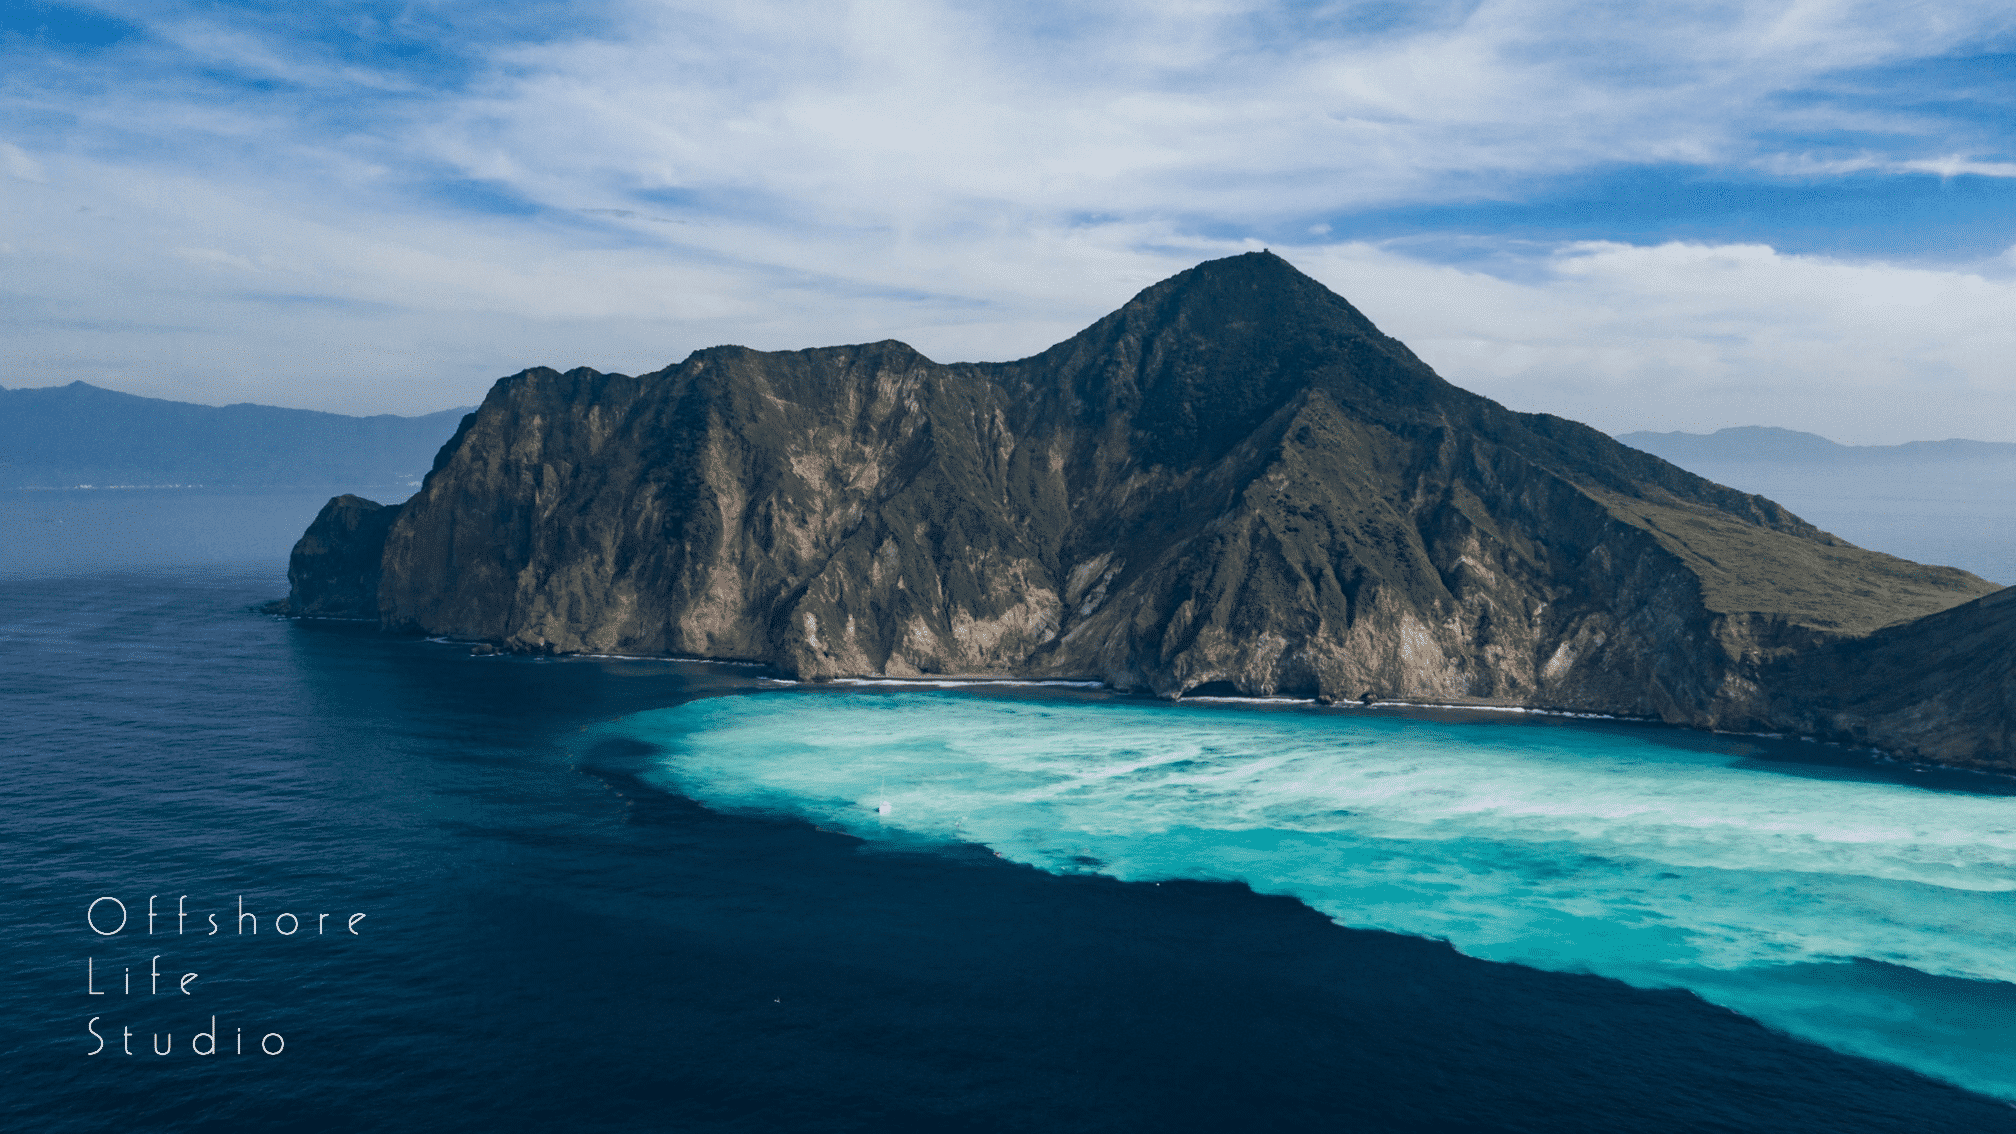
{"x": 1679, "y": 216}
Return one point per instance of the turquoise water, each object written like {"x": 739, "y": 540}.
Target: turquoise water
{"x": 1850, "y": 907}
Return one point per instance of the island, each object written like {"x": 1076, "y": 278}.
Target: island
{"x": 1234, "y": 483}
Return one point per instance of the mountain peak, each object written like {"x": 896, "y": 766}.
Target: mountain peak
{"x": 1198, "y": 360}
{"x": 1257, "y": 287}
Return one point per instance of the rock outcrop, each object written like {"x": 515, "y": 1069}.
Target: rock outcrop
{"x": 1234, "y": 481}
{"x": 335, "y": 568}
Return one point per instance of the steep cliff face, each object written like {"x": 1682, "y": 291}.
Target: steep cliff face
{"x": 1235, "y": 478}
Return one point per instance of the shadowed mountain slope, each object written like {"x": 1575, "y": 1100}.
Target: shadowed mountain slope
{"x": 1942, "y": 688}
{"x": 1235, "y": 478}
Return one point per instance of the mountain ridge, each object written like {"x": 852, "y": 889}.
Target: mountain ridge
{"x": 80, "y": 434}
{"x": 1765, "y": 443}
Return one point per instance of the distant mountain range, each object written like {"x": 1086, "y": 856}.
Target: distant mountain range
{"x": 81, "y": 435}
{"x": 1951, "y": 502}
{"x": 1750, "y": 444}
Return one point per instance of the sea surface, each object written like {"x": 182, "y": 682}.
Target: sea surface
{"x": 608, "y": 894}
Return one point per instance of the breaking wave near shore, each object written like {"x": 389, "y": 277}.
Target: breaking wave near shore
{"x": 1874, "y": 916}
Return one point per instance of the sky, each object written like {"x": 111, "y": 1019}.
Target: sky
{"x": 1678, "y": 216}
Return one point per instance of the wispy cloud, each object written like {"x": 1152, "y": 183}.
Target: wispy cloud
{"x": 1955, "y": 166}
{"x": 470, "y": 189}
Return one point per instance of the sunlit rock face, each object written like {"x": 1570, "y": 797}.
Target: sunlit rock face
{"x": 1235, "y": 478}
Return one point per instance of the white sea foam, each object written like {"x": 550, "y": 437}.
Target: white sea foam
{"x": 1562, "y": 848}
{"x": 960, "y": 682}
{"x": 1500, "y": 709}
{"x": 665, "y": 658}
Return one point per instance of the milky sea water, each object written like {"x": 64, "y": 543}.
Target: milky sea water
{"x": 1856, "y": 908}
{"x": 607, "y": 894}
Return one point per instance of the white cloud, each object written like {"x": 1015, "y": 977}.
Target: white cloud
{"x": 415, "y": 313}
{"x": 1955, "y": 165}
{"x": 981, "y": 181}
{"x": 1697, "y": 337}
{"x": 1950, "y": 165}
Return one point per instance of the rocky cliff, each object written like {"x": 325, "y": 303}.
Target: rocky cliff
{"x": 1233, "y": 481}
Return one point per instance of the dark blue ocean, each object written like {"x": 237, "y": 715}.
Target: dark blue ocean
{"x": 655, "y": 895}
